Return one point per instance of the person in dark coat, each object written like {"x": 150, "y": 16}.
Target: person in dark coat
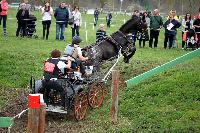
{"x": 170, "y": 30}
{"x": 96, "y": 16}
{"x": 62, "y": 16}
{"x": 21, "y": 15}
{"x": 135, "y": 15}
{"x": 108, "y": 18}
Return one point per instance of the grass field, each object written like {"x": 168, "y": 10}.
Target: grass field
{"x": 167, "y": 102}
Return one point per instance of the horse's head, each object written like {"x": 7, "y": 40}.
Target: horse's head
{"x": 133, "y": 24}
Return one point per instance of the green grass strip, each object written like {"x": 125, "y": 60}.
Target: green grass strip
{"x": 164, "y": 67}
{"x": 6, "y": 121}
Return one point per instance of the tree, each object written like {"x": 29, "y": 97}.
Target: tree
{"x": 102, "y": 3}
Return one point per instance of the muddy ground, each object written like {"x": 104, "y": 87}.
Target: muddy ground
{"x": 16, "y": 101}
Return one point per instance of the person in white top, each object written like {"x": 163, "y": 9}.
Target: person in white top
{"x": 47, "y": 12}
{"x": 77, "y": 21}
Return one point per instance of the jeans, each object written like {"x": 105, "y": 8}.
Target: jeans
{"x": 4, "y": 17}
{"x": 78, "y": 63}
{"x": 75, "y": 30}
{"x": 134, "y": 35}
{"x": 60, "y": 29}
{"x": 168, "y": 37}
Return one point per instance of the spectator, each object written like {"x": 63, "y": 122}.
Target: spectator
{"x": 96, "y": 16}
{"x": 170, "y": 30}
{"x": 77, "y": 21}
{"x": 156, "y": 23}
{"x": 143, "y": 36}
{"x": 62, "y": 15}
{"x": 52, "y": 71}
{"x": 21, "y": 15}
{"x": 47, "y": 12}
{"x": 136, "y": 14}
{"x": 100, "y": 34}
{"x": 68, "y": 7}
{"x": 173, "y": 12}
{"x": 108, "y": 18}
{"x": 27, "y": 7}
{"x": 187, "y": 24}
{"x": 196, "y": 25}
{"x": 3, "y": 14}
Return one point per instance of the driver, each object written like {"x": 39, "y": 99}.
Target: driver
{"x": 52, "y": 71}
{"x": 75, "y": 52}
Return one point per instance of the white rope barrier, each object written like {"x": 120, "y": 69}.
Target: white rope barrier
{"x": 16, "y": 116}
{"x": 106, "y": 76}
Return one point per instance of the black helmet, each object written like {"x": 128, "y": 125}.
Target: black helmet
{"x": 76, "y": 40}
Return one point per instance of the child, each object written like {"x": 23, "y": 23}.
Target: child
{"x": 100, "y": 34}
{"x": 21, "y": 15}
{"x": 191, "y": 39}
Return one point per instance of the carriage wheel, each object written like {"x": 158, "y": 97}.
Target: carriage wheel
{"x": 80, "y": 106}
{"x": 96, "y": 95}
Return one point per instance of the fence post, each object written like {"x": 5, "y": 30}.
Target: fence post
{"x": 33, "y": 120}
{"x": 36, "y": 114}
{"x": 114, "y": 96}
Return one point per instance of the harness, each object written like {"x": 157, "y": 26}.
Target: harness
{"x": 118, "y": 38}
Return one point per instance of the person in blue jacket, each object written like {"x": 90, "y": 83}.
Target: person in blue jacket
{"x": 62, "y": 15}
{"x": 170, "y": 26}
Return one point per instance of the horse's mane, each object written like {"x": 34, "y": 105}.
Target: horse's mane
{"x": 130, "y": 25}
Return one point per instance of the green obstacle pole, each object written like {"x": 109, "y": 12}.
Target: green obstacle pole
{"x": 162, "y": 68}
{"x": 6, "y": 121}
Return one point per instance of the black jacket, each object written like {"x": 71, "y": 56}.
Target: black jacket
{"x": 21, "y": 16}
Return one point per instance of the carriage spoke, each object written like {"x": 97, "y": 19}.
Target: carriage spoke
{"x": 96, "y": 95}
{"x": 80, "y": 108}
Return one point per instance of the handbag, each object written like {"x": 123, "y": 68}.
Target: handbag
{"x": 71, "y": 21}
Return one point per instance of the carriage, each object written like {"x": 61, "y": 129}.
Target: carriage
{"x": 80, "y": 92}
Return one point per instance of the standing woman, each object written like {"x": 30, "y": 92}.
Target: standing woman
{"x": 187, "y": 24}
{"x": 3, "y": 14}
{"x": 47, "y": 12}
{"x": 77, "y": 21}
{"x": 170, "y": 26}
{"x": 144, "y": 36}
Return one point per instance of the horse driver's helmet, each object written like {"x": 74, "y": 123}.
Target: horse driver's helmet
{"x": 76, "y": 40}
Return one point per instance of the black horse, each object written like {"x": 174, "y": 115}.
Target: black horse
{"x": 111, "y": 46}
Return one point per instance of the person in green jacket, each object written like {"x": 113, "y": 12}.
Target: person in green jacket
{"x": 156, "y": 23}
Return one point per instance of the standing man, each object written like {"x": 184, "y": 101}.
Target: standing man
{"x": 96, "y": 16}
{"x": 3, "y": 14}
{"x": 108, "y": 18}
{"x": 156, "y": 23}
{"x": 62, "y": 15}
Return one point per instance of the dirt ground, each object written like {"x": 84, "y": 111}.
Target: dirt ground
{"x": 55, "y": 123}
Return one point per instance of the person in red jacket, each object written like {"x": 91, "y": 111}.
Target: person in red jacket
{"x": 3, "y": 14}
